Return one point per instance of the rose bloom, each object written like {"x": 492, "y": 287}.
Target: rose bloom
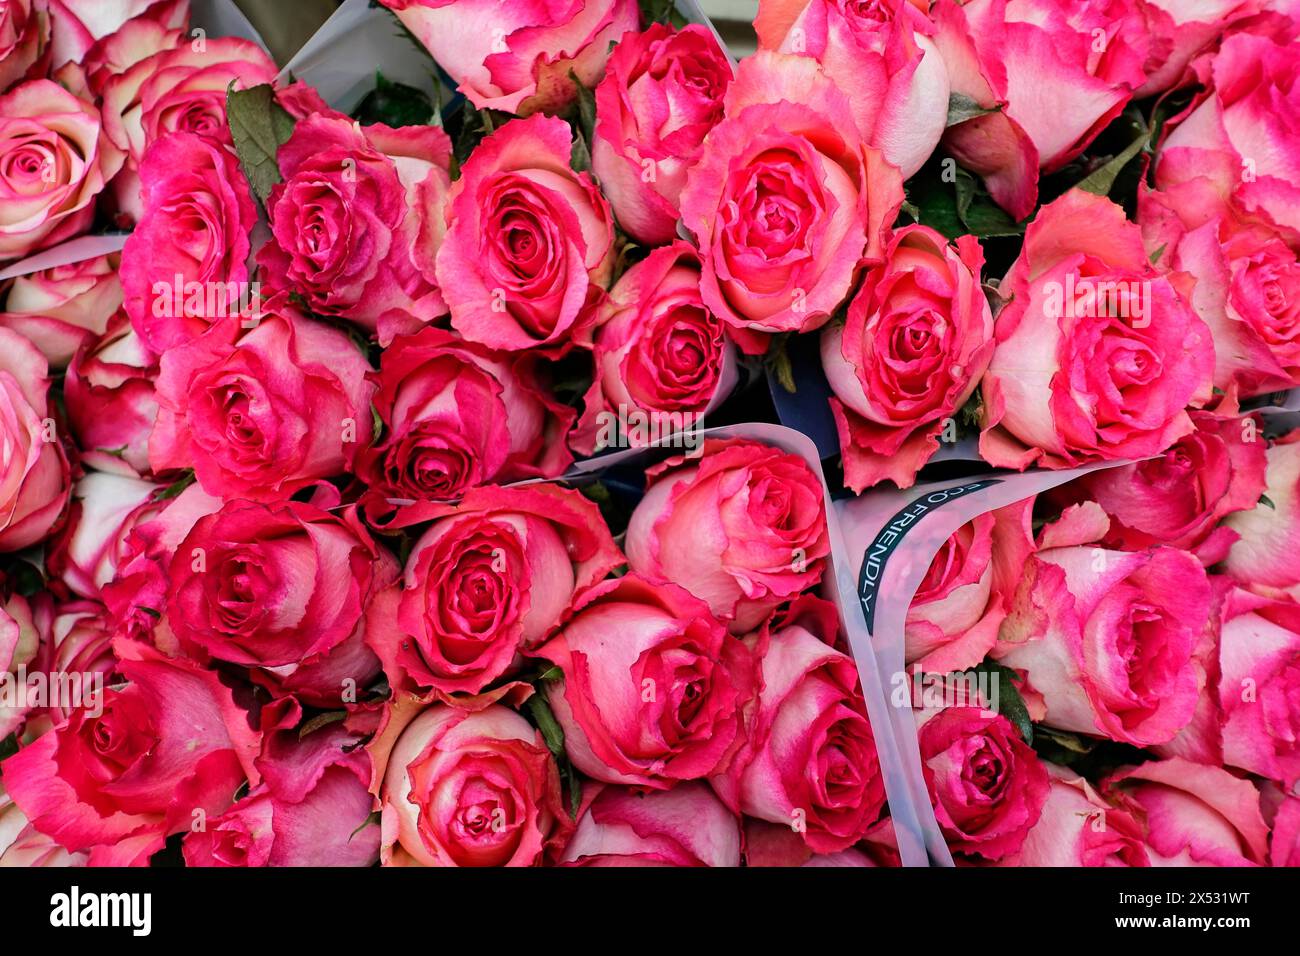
{"x": 917, "y": 338}
{"x": 488, "y": 580}
{"x": 1247, "y": 275}
{"x": 24, "y": 628}
{"x": 518, "y": 58}
{"x": 24, "y": 39}
{"x": 177, "y": 89}
{"x": 456, "y": 415}
{"x": 661, "y": 356}
{"x": 740, "y": 524}
{"x": 785, "y": 202}
{"x": 1078, "y": 827}
{"x": 23, "y": 845}
{"x": 1284, "y": 838}
{"x": 1263, "y": 557}
{"x": 662, "y": 704}
{"x": 1196, "y": 815}
{"x": 881, "y": 54}
{"x": 109, "y": 395}
{"x": 34, "y": 485}
{"x": 105, "y": 509}
{"x": 78, "y": 25}
{"x": 80, "y": 642}
{"x": 968, "y": 589}
{"x": 1106, "y": 640}
{"x": 152, "y": 27}
{"x": 54, "y": 161}
{"x": 1237, "y": 123}
{"x": 987, "y": 785}
{"x": 529, "y": 241}
{"x": 357, "y": 222}
{"x": 1035, "y": 67}
{"x": 661, "y": 95}
{"x": 809, "y": 760}
{"x": 266, "y": 413}
{"x": 59, "y": 309}
{"x": 281, "y": 590}
{"x": 193, "y": 235}
{"x": 1181, "y": 29}
{"x": 1097, "y": 354}
{"x": 467, "y": 788}
{"x": 1180, "y": 498}
{"x": 685, "y": 826}
{"x": 166, "y": 743}
{"x": 312, "y": 808}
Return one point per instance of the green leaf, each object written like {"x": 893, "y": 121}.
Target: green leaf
{"x": 1009, "y": 703}
{"x": 580, "y": 156}
{"x": 394, "y": 104}
{"x": 551, "y": 673}
{"x": 1155, "y": 256}
{"x": 176, "y": 487}
{"x": 321, "y": 720}
{"x": 8, "y": 746}
{"x": 373, "y": 819}
{"x": 962, "y": 108}
{"x": 946, "y": 197}
{"x": 259, "y": 126}
{"x": 1100, "y": 180}
{"x": 1267, "y": 502}
{"x": 782, "y": 368}
{"x": 586, "y": 108}
{"x": 551, "y": 730}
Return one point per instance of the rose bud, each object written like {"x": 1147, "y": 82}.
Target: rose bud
{"x": 486, "y": 582}
{"x": 1107, "y": 640}
{"x": 184, "y": 267}
{"x": 516, "y": 59}
{"x": 1196, "y": 815}
{"x": 468, "y": 788}
{"x": 967, "y": 591}
{"x": 109, "y": 394}
{"x": 35, "y": 484}
{"x": 54, "y": 161}
{"x": 661, "y": 95}
{"x": 357, "y": 222}
{"x": 162, "y": 751}
{"x": 456, "y": 415}
{"x": 105, "y": 509}
{"x": 1097, "y": 354}
{"x": 662, "y": 704}
{"x": 281, "y": 590}
{"x": 1079, "y": 828}
{"x": 685, "y": 826}
{"x": 60, "y": 308}
{"x": 660, "y": 354}
{"x": 529, "y": 241}
{"x": 264, "y": 412}
{"x": 785, "y": 202}
{"x": 917, "y": 338}
{"x": 882, "y": 56}
{"x": 743, "y": 526}
{"x": 1263, "y": 557}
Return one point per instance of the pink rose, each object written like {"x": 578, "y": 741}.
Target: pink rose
{"x": 282, "y": 591}
{"x": 53, "y": 163}
{"x": 61, "y": 308}
{"x": 517, "y": 57}
{"x": 1284, "y": 840}
{"x": 1106, "y": 640}
{"x": 967, "y": 591}
{"x": 661, "y": 356}
{"x": 660, "y": 705}
{"x": 918, "y": 336}
{"x": 24, "y": 629}
{"x": 79, "y": 24}
{"x": 157, "y": 27}
{"x": 1263, "y": 557}
{"x": 109, "y": 394}
{"x": 486, "y": 582}
{"x": 740, "y": 525}
{"x": 21, "y": 844}
{"x": 529, "y": 241}
{"x": 1181, "y": 497}
{"x": 1077, "y": 827}
{"x": 468, "y": 788}
{"x": 774, "y": 844}
{"x": 1181, "y": 29}
{"x": 176, "y": 89}
{"x": 785, "y": 202}
{"x": 312, "y": 808}
{"x": 358, "y": 220}
{"x": 24, "y": 39}
{"x": 185, "y": 265}
{"x": 1236, "y": 124}
{"x": 685, "y": 826}
{"x": 1051, "y": 74}
{"x": 809, "y": 761}
{"x": 166, "y": 745}
{"x": 1195, "y": 815}
{"x": 1097, "y": 354}
{"x": 34, "y": 486}
{"x": 105, "y": 509}
{"x": 266, "y": 413}
{"x": 987, "y": 785}
{"x": 881, "y": 54}
{"x": 456, "y": 415}
{"x": 80, "y": 643}
{"x": 661, "y": 95}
